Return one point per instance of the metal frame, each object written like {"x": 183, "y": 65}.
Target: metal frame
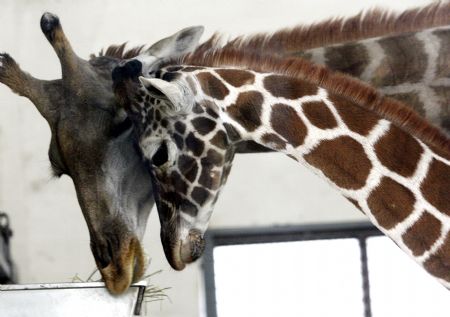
{"x": 220, "y": 237}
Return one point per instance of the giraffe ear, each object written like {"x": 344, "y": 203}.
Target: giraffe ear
{"x": 178, "y": 44}
{"x": 177, "y": 97}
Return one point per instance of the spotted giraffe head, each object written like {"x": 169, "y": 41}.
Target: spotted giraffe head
{"x": 188, "y": 146}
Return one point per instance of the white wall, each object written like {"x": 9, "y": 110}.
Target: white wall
{"x": 51, "y": 241}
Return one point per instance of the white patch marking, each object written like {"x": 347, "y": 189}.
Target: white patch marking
{"x": 376, "y": 56}
{"x": 318, "y": 55}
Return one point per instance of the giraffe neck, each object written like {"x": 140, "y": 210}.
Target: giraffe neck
{"x": 411, "y": 67}
{"x": 395, "y": 178}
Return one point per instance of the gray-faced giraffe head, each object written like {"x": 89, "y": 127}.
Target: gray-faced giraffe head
{"x": 94, "y": 143}
{"x": 189, "y": 149}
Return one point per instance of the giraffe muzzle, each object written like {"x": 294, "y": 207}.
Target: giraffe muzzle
{"x": 127, "y": 265}
{"x": 192, "y": 248}
{"x": 180, "y": 252}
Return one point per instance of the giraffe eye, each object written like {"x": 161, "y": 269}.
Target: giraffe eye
{"x": 161, "y": 156}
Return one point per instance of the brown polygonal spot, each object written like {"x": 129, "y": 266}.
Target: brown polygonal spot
{"x": 194, "y": 144}
{"x": 286, "y": 122}
{"x": 356, "y": 118}
{"x": 212, "y": 157}
{"x": 273, "y": 141}
{"x": 349, "y": 58}
{"x": 436, "y": 186}
{"x": 422, "y": 234}
{"x": 171, "y": 76}
{"x": 390, "y": 203}
{"x": 188, "y": 167}
{"x": 236, "y": 77}
{"x": 405, "y": 61}
{"x": 232, "y": 132}
{"x": 188, "y": 207}
{"x": 212, "y": 86}
{"x": 179, "y": 141}
{"x": 438, "y": 264}
{"x": 192, "y": 68}
{"x": 157, "y": 115}
{"x": 208, "y": 178}
{"x": 203, "y": 125}
{"x": 319, "y": 115}
{"x": 247, "y": 110}
{"x": 289, "y": 88}
{"x": 343, "y": 161}
{"x": 197, "y": 109}
{"x": 220, "y": 139}
{"x": 200, "y": 195}
{"x": 178, "y": 183}
{"x": 180, "y": 127}
{"x": 399, "y": 151}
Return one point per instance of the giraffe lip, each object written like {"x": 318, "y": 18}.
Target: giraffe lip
{"x": 129, "y": 267}
{"x": 176, "y": 260}
{"x": 186, "y": 251}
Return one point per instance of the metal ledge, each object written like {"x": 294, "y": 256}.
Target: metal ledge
{"x": 69, "y": 299}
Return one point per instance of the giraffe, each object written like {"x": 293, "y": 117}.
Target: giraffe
{"x": 93, "y": 142}
{"x": 383, "y": 157}
{"x": 404, "y": 55}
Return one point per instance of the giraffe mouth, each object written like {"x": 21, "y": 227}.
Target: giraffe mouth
{"x": 186, "y": 251}
{"x": 127, "y": 268}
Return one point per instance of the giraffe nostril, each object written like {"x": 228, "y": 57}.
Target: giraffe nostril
{"x": 197, "y": 248}
{"x": 193, "y": 247}
{"x": 102, "y": 252}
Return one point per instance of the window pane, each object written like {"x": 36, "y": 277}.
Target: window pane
{"x": 400, "y": 287}
{"x": 308, "y": 278}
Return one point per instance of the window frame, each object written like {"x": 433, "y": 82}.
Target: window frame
{"x": 239, "y": 236}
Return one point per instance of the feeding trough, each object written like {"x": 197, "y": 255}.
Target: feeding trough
{"x": 69, "y": 299}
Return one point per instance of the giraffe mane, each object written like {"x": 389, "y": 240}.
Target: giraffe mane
{"x": 372, "y": 23}
{"x": 119, "y": 51}
{"x": 360, "y": 93}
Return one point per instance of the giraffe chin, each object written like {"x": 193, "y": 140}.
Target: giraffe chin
{"x": 129, "y": 268}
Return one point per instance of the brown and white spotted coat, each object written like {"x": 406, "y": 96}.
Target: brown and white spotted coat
{"x": 389, "y": 162}
{"x": 411, "y": 67}
{"x": 405, "y": 56}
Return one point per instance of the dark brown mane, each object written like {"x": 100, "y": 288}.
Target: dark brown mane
{"x": 359, "y": 92}
{"x": 373, "y": 23}
{"x": 119, "y": 51}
